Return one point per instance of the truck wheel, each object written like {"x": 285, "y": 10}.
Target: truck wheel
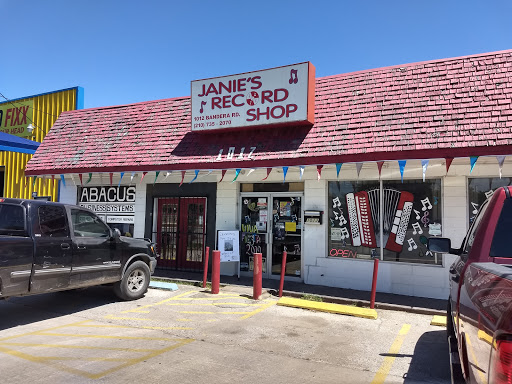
{"x": 134, "y": 283}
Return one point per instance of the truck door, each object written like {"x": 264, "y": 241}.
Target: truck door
{"x": 52, "y": 244}
{"x": 95, "y": 259}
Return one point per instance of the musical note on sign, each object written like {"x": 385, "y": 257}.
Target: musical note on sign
{"x": 417, "y": 228}
{"x": 203, "y": 103}
{"x": 295, "y": 79}
{"x": 340, "y": 216}
{"x": 412, "y": 244}
{"x": 429, "y": 253}
{"x": 417, "y": 214}
{"x": 489, "y": 193}
{"x": 336, "y": 202}
{"x": 475, "y": 208}
{"x": 426, "y": 204}
{"x": 344, "y": 233}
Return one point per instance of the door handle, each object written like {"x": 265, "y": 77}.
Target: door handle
{"x": 80, "y": 247}
{"x": 65, "y": 246}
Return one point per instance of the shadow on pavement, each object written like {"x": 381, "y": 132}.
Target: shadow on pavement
{"x": 430, "y": 344}
{"x": 32, "y": 309}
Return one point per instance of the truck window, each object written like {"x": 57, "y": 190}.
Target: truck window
{"x": 472, "y": 232}
{"x": 52, "y": 221}
{"x": 87, "y": 224}
{"x": 500, "y": 246}
{"x": 12, "y": 220}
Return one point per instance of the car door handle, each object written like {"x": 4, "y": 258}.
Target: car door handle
{"x": 65, "y": 246}
{"x": 81, "y": 247}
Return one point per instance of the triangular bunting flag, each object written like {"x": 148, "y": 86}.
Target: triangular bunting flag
{"x": 223, "y": 173}
{"x": 401, "y": 164}
{"x": 89, "y": 180}
{"x": 379, "y": 166}
{"x": 472, "y": 160}
{"x": 250, "y": 171}
{"x": 358, "y": 168}
{"x": 34, "y": 182}
{"x": 501, "y": 160}
{"x": 53, "y": 179}
{"x": 424, "y": 165}
{"x": 237, "y": 173}
{"x": 142, "y": 177}
{"x": 182, "y": 177}
{"x": 338, "y": 168}
{"x": 131, "y": 178}
{"x": 301, "y": 170}
{"x": 72, "y": 179}
{"x": 285, "y": 171}
{"x": 63, "y": 180}
{"x": 121, "y": 178}
{"x": 195, "y": 177}
{"x": 81, "y": 181}
{"x": 167, "y": 174}
{"x": 111, "y": 177}
{"x": 156, "y": 176}
{"x": 448, "y": 163}
{"x": 319, "y": 171}
{"x": 268, "y": 173}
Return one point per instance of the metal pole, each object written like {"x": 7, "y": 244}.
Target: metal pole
{"x": 257, "y": 277}
{"x": 283, "y": 268}
{"x": 215, "y": 272}
{"x": 374, "y": 282}
{"x": 205, "y": 273}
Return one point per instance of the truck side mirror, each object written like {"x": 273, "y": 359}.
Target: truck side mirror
{"x": 439, "y": 244}
{"x": 116, "y": 233}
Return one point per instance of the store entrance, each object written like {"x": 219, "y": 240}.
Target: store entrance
{"x": 270, "y": 224}
{"x": 181, "y": 233}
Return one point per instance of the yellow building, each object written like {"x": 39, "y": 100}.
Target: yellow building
{"x": 39, "y": 111}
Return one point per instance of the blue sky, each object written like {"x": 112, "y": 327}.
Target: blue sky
{"x": 128, "y": 51}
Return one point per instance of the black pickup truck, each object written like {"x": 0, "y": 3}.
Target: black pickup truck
{"x": 47, "y": 247}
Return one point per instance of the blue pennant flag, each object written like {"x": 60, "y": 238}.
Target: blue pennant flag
{"x": 401, "y": 164}
{"x": 338, "y": 168}
{"x": 63, "y": 181}
{"x": 285, "y": 170}
{"x": 122, "y": 174}
{"x": 473, "y": 160}
{"x": 195, "y": 177}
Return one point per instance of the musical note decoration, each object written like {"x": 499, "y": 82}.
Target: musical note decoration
{"x": 412, "y": 244}
{"x": 294, "y": 79}
{"x": 203, "y": 103}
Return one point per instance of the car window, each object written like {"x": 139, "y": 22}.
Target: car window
{"x": 472, "y": 232}
{"x": 52, "y": 221}
{"x": 87, "y": 224}
{"x": 12, "y": 219}
{"x": 500, "y": 246}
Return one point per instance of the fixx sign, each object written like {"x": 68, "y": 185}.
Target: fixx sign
{"x": 16, "y": 116}
{"x": 274, "y": 96}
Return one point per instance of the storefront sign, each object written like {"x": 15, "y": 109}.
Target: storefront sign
{"x": 105, "y": 200}
{"x": 274, "y": 96}
{"x": 16, "y": 116}
{"x": 229, "y": 245}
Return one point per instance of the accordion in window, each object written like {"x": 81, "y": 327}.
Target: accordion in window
{"x": 364, "y": 217}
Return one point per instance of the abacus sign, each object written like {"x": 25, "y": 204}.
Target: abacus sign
{"x": 274, "y": 96}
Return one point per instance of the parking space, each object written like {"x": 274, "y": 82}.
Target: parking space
{"x": 194, "y": 337}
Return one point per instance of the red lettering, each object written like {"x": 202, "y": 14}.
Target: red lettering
{"x": 216, "y": 102}
{"x": 211, "y": 89}
{"x": 25, "y": 111}
{"x": 344, "y": 253}
{"x": 290, "y": 108}
{"x": 222, "y": 85}
{"x": 276, "y": 93}
{"x": 273, "y": 112}
{"x": 266, "y": 95}
{"x": 256, "y": 81}
{"x": 234, "y": 100}
{"x": 241, "y": 85}
{"x": 250, "y": 113}
{"x": 226, "y": 102}
{"x": 8, "y": 116}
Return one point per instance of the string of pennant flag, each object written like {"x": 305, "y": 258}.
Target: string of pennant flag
{"x": 359, "y": 166}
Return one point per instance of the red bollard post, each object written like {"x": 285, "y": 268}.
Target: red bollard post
{"x": 283, "y": 269}
{"x": 205, "y": 273}
{"x": 257, "y": 277}
{"x": 374, "y": 282}
{"x": 215, "y": 272}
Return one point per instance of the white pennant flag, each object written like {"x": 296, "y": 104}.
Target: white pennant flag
{"x": 358, "y": 168}
{"x": 301, "y": 169}
{"x": 101, "y": 178}
{"x": 72, "y": 179}
{"x": 166, "y": 175}
{"x": 131, "y": 178}
{"x": 248, "y": 173}
{"x": 424, "y": 165}
{"x": 501, "y": 160}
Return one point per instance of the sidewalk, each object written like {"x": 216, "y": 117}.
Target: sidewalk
{"x": 387, "y": 301}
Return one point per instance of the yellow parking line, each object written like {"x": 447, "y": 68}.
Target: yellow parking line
{"x": 262, "y": 308}
{"x": 65, "y": 346}
{"x": 161, "y": 302}
{"x": 47, "y": 329}
{"x": 104, "y": 336}
{"x": 384, "y": 369}
{"x": 125, "y": 318}
{"x": 169, "y": 328}
{"x": 213, "y": 304}
{"x": 470, "y": 347}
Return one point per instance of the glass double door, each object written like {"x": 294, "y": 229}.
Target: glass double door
{"x": 271, "y": 224}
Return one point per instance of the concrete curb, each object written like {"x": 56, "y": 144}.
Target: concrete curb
{"x": 333, "y": 299}
{"x": 339, "y": 309}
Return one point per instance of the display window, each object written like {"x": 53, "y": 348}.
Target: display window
{"x": 480, "y": 189}
{"x": 411, "y": 213}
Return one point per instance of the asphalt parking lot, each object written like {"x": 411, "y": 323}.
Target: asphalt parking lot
{"x": 191, "y": 336}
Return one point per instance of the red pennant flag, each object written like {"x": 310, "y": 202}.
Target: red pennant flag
{"x": 182, "y": 177}
{"x": 111, "y": 175}
{"x": 143, "y": 174}
{"x": 53, "y": 179}
{"x": 319, "y": 171}
{"x": 223, "y": 173}
{"x": 448, "y": 163}
{"x": 379, "y": 165}
{"x": 268, "y": 173}
{"x": 81, "y": 182}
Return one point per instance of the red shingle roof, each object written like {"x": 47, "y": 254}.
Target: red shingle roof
{"x": 446, "y": 108}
